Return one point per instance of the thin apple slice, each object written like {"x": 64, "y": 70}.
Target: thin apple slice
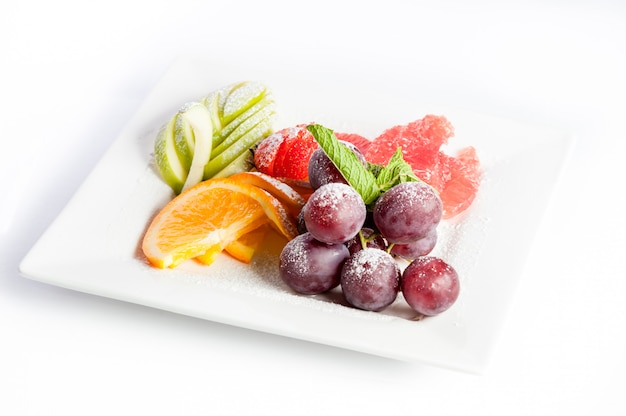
{"x": 244, "y": 144}
{"x": 212, "y": 102}
{"x": 167, "y": 158}
{"x": 184, "y": 141}
{"x": 240, "y": 125}
{"x": 197, "y": 116}
{"x": 241, "y": 97}
{"x": 264, "y": 114}
{"x": 243, "y": 163}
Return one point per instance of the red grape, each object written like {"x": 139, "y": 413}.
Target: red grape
{"x": 407, "y": 212}
{"x": 334, "y": 213}
{"x": 418, "y": 248}
{"x": 309, "y": 266}
{"x": 370, "y": 279}
{"x": 430, "y": 285}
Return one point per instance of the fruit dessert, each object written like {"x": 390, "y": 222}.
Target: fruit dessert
{"x": 357, "y": 214}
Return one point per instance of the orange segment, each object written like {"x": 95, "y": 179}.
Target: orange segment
{"x": 278, "y": 215}
{"x": 229, "y": 240}
{"x": 206, "y": 218}
{"x": 243, "y": 249}
{"x": 292, "y": 200}
{"x": 301, "y": 187}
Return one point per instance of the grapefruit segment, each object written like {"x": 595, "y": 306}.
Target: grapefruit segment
{"x": 420, "y": 141}
{"x": 459, "y": 181}
{"x": 359, "y": 141}
{"x": 456, "y": 178}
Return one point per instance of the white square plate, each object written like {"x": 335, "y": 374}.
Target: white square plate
{"x": 93, "y": 245}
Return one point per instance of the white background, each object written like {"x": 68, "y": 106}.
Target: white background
{"x": 72, "y": 75}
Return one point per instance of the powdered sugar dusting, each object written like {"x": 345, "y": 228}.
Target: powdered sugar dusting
{"x": 414, "y": 193}
{"x": 266, "y": 152}
{"x": 281, "y": 186}
{"x": 297, "y": 255}
{"x": 331, "y": 195}
{"x": 370, "y": 279}
{"x": 281, "y": 217}
{"x": 365, "y": 261}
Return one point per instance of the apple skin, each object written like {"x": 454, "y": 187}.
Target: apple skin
{"x": 166, "y": 158}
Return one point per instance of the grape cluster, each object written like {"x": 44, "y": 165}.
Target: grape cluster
{"x": 342, "y": 243}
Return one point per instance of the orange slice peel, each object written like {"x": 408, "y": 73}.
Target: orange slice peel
{"x": 286, "y": 194}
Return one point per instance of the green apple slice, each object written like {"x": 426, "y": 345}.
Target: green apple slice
{"x": 197, "y": 116}
{"x": 244, "y": 144}
{"x": 264, "y": 112}
{"x": 227, "y": 130}
{"x": 243, "y": 163}
{"x": 241, "y": 97}
{"x": 212, "y": 102}
{"x": 233, "y": 104}
{"x": 184, "y": 141}
{"x": 166, "y": 157}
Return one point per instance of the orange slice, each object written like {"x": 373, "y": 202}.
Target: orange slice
{"x": 292, "y": 200}
{"x": 301, "y": 187}
{"x": 231, "y": 240}
{"x": 204, "y": 219}
{"x": 243, "y": 249}
{"x": 278, "y": 215}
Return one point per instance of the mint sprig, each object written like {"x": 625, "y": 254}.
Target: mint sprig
{"x": 396, "y": 171}
{"x": 369, "y": 182}
{"x": 347, "y": 162}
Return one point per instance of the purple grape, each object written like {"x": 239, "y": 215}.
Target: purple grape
{"x": 309, "y": 266}
{"x": 334, "y": 213}
{"x": 370, "y": 279}
{"x": 430, "y": 285}
{"x": 323, "y": 171}
{"x": 418, "y": 248}
{"x": 407, "y": 212}
{"x": 373, "y": 240}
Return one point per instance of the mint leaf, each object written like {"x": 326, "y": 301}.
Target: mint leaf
{"x": 374, "y": 168}
{"x": 395, "y": 172}
{"x": 347, "y": 162}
